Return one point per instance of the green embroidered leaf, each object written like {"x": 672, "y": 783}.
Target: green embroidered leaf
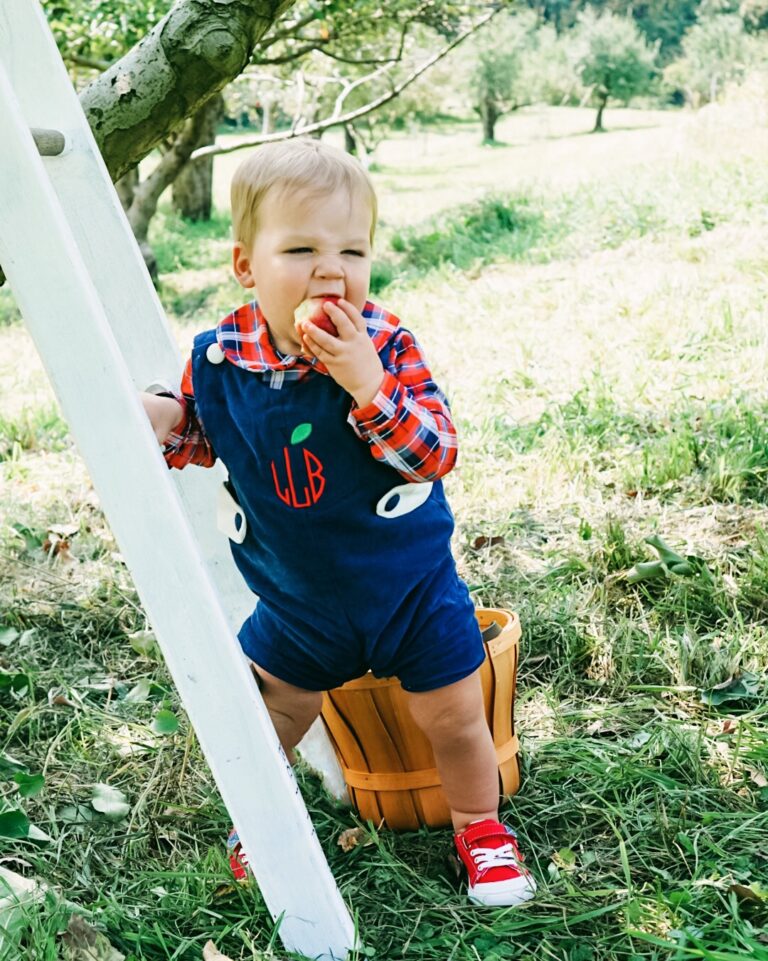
{"x": 301, "y": 433}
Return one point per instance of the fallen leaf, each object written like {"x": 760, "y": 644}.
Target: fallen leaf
{"x": 639, "y": 738}
{"x": 109, "y": 801}
{"x": 212, "y": 953}
{"x": 58, "y": 547}
{"x": 82, "y": 942}
{"x": 740, "y": 687}
{"x": 8, "y": 635}
{"x": 29, "y": 785}
{"x": 351, "y": 838}
{"x": 480, "y": 542}
{"x": 224, "y": 890}
{"x": 57, "y": 696}
{"x": 607, "y": 727}
{"x": 744, "y": 893}
{"x": 17, "y": 896}
{"x": 14, "y": 824}
{"x": 565, "y": 859}
{"x": 145, "y": 644}
{"x": 757, "y": 777}
{"x": 9, "y": 765}
{"x": 140, "y": 691}
{"x": 165, "y": 722}
{"x": 64, "y": 530}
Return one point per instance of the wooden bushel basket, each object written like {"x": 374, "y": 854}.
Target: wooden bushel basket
{"x": 387, "y": 761}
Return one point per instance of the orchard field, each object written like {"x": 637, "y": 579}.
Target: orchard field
{"x": 594, "y": 306}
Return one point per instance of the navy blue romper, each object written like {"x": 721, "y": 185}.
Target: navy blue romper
{"x": 342, "y": 589}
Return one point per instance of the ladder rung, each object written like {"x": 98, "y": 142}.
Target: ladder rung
{"x": 50, "y": 143}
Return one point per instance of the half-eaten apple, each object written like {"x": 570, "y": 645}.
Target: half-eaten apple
{"x": 312, "y": 311}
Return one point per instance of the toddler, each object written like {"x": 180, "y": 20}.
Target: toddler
{"x": 335, "y": 444}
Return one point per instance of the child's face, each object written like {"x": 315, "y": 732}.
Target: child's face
{"x": 306, "y": 247}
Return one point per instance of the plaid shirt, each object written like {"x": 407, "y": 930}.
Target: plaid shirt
{"x": 407, "y": 425}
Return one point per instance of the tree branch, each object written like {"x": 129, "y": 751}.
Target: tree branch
{"x": 80, "y": 61}
{"x": 352, "y": 115}
{"x": 195, "y": 50}
{"x": 288, "y": 57}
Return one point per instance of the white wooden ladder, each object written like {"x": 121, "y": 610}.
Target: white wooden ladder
{"x": 81, "y": 285}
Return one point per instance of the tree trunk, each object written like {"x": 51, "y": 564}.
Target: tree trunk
{"x": 350, "y": 144}
{"x": 126, "y": 187}
{"x": 193, "y": 187}
{"x": 148, "y": 192}
{"x": 267, "y": 103}
{"x": 598, "y": 128}
{"x": 198, "y": 48}
{"x": 489, "y": 115}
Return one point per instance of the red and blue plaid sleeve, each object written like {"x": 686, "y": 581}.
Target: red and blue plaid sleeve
{"x": 187, "y": 443}
{"x": 408, "y": 423}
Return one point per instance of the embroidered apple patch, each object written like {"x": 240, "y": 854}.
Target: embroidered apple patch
{"x": 302, "y": 481}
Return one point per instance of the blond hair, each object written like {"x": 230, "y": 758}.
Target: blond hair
{"x": 289, "y": 165}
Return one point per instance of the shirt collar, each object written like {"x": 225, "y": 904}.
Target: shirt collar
{"x": 244, "y": 339}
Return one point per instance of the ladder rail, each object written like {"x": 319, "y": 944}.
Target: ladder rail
{"x": 67, "y": 319}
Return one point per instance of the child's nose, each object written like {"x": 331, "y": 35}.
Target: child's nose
{"x": 329, "y": 265}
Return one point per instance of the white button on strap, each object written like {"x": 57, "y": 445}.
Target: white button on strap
{"x": 214, "y": 354}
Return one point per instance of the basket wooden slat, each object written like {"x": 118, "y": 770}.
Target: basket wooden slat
{"x": 388, "y": 762}
{"x": 414, "y": 750}
{"x": 347, "y": 746}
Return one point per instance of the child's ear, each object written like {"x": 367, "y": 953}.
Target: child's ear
{"x": 241, "y": 265}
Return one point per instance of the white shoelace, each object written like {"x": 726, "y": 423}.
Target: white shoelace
{"x": 502, "y": 857}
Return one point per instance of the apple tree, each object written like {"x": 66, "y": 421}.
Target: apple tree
{"x": 614, "y": 60}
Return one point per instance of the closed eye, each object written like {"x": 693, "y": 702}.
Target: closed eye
{"x": 355, "y": 253}
{"x": 299, "y": 250}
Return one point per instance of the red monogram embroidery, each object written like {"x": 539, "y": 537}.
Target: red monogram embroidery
{"x": 312, "y": 473}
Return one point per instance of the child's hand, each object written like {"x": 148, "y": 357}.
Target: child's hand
{"x": 164, "y": 413}
{"x": 350, "y": 358}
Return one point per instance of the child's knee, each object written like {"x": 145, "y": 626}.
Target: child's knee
{"x": 453, "y": 712}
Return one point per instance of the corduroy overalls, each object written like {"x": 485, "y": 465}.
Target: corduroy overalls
{"x": 345, "y": 582}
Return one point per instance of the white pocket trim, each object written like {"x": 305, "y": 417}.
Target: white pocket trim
{"x": 227, "y": 513}
{"x": 410, "y": 497}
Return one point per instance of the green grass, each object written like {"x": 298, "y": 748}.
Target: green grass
{"x": 600, "y": 332}
{"x": 32, "y": 429}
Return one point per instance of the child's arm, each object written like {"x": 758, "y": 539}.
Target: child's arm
{"x": 398, "y": 410}
{"x": 177, "y": 426}
{"x": 408, "y": 424}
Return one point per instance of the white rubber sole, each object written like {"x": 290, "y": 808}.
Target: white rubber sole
{"x": 504, "y": 893}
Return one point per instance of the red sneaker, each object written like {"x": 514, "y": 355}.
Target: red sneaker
{"x": 238, "y": 862}
{"x": 494, "y": 866}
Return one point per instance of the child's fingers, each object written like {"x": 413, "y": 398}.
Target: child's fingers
{"x": 317, "y": 339}
{"x": 303, "y": 346}
{"x": 346, "y": 317}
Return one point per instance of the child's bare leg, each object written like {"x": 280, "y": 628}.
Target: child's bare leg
{"x": 292, "y": 709}
{"x": 453, "y": 718}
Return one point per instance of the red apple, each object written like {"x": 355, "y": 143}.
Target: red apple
{"x": 312, "y": 311}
